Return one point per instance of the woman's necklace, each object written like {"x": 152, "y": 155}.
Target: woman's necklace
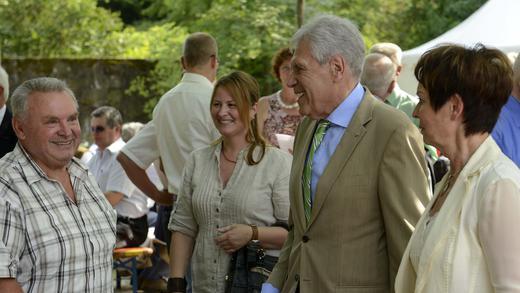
{"x": 443, "y": 193}
{"x": 447, "y": 185}
{"x": 226, "y": 158}
{"x": 283, "y": 104}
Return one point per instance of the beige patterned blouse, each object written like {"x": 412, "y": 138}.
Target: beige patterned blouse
{"x": 257, "y": 194}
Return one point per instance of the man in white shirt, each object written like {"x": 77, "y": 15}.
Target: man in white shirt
{"x": 131, "y": 206}
{"x": 181, "y": 123}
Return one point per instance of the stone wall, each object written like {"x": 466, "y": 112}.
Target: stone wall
{"x": 94, "y": 82}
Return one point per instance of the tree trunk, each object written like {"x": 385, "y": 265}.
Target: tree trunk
{"x": 299, "y": 12}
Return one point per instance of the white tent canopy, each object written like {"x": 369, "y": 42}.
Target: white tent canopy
{"x": 495, "y": 24}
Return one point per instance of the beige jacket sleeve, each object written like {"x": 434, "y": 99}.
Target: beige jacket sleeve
{"x": 403, "y": 191}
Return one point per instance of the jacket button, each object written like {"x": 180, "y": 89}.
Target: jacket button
{"x": 296, "y": 277}
{"x": 305, "y": 238}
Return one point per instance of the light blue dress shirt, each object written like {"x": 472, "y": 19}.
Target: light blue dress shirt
{"x": 507, "y": 130}
{"x": 340, "y": 119}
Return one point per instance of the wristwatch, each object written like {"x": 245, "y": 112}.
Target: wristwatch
{"x": 254, "y": 237}
{"x": 177, "y": 285}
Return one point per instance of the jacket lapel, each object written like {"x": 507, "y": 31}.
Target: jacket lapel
{"x": 348, "y": 143}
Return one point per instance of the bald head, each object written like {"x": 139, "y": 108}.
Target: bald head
{"x": 379, "y": 75}
{"x": 390, "y": 50}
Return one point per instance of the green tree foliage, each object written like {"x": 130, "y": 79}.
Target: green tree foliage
{"x": 408, "y": 23}
{"x": 436, "y": 17}
{"x": 248, "y": 31}
{"x": 72, "y": 28}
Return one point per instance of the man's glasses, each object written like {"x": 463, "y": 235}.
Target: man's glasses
{"x": 97, "y": 129}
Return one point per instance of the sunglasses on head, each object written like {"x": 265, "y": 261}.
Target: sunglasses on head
{"x": 97, "y": 129}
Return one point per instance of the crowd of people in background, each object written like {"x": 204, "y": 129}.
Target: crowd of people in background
{"x": 344, "y": 180}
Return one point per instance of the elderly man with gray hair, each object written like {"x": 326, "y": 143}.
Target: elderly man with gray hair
{"x": 398, "y": 99}
{"x": 379, "y": 75}
{"x": 7, "y": 137}
{"x": 57, "y": 229}
{"x": 353, "y": 205}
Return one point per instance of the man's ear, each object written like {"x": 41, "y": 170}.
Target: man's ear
{"x": 214, "y": 61}
{"x": 337, "y": 67}
{"x": 2, "y": 100}
{"x": 183, "y": 63}
{"x": 398, "y": 70}
{"x": 391, "y": 87}
{"x": 18, "y": 127}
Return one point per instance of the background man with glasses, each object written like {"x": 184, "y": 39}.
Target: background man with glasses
{"x": 131, "y": 206}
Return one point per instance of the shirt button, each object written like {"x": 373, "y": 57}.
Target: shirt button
{"x": 218, "y": 226}
{"x": 305, "y": 238}
{"x": 296, "y": 277}
{"x": 218, "y": 210}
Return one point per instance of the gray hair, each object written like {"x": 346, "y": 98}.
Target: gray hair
{"x": 329, "y": 35}
{"x": 130, "y": 129}
{"x": 111, "y": 114}
{"x": 41, "y": 85}
{"x": 4, "y": 83}
{"x": 390, "y": 50}
{"x": 378, "y": 73}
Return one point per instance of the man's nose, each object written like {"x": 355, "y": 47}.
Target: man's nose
{"x": 65, "y": 128}
{"x": 291, "y": 81}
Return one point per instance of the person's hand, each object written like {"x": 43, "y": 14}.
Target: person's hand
{"x": 233, "y": 237}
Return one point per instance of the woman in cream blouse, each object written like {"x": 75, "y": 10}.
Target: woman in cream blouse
{"x": 232, "y": 192}
{"x": 468, "y": 239}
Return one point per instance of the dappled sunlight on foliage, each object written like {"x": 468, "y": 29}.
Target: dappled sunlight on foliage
{"x": 248, "y": 32}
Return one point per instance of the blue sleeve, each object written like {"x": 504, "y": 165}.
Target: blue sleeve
{"x": 268, "y": 288}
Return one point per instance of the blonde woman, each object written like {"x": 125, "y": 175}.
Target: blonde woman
{"x": 232, "y": 192}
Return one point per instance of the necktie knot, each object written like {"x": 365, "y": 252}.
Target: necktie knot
{"x": 322, "y": 127}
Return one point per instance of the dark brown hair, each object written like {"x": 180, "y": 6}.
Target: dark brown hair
{"x": 482, "y": 77}
{"x": 245, "y": 92}
{"x": 280, "y": 57}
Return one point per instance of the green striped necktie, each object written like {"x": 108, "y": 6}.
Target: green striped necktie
{"x": 319, "y": 133}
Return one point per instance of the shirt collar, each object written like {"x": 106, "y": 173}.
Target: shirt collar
{"x": 196, "y": 78}
{"x": 116, "y": 146}
{"x": 485, "y": 155}
{"x": 343, "y": 113}
{"x": 32, "y": 171}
